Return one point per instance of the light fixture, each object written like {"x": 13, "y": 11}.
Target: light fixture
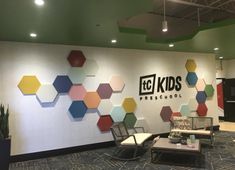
{"x": 216, "y": 49}
{"x": 33, "y": 35}
{"x": 221, "y": 57}
{"x": 39, "y": 2}
{"x": 171, "y": 45}
{"x": 164, "y": 22}
{"x": 113, "y": 41}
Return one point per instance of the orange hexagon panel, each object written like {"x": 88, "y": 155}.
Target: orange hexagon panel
{"x": 129, "y": 105}
{"x": 29, "y": 85}
{"x": 92, "y": 100}
{"x": 190, "y": 65}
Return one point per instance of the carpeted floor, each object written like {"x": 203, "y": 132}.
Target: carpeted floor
{"x": 219, "y": 157}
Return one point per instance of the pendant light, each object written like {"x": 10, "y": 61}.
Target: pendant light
{"x": 164, "y": 22}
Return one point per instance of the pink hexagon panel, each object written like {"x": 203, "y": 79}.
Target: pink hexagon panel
{"x": 200, "y": 85}
{"x": 29, "y": 85}
{"x": 105, "y": 91}
{"x": 117, "y": 84}
{"x": 46, "y": 93}
{"x": 166, "y": 113}
{"x": 77, "y": 92}
{"x": 92, "y": 100}
{"x": 76, "y": 58}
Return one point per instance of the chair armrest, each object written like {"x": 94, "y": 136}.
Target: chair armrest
{"x": 135, "y": 129}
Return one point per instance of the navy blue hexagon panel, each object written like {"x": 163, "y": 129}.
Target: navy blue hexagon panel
{"x": 62, "y": 84}
{"x": 201, "y": 97}
{"x": 78, "y": 109}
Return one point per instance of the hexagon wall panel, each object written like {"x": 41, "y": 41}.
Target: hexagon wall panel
{"x": 105, "y": 107}
{"x": 105, "y": 91}
{"x": 62, "y": 84}
{"x": 190, "y": 65}
{"x": 202, "y": 109}
{"x": 130, "y": 120}
{"x": 46, "y": 93}
{"x": 201, "y": 97}
{"x": 166, "y": 113}
{"x": 129, "y": 105}
{"x": 76, "y": 75}
{"x": 209, "y": 90}
{"x": 92, "y": 100}
{"x": 184, "y": 110}
{"x": 77, "y": 92}
{"x": 200, "y": 85}
{"x": 118, "y": 114}
{"x": 76, "y": 58}
{"x": 191, "y": 78}
{"x": 29, "y": 85}
{"x": 77, "y": 109}
{"x": 91, "y": 67}
{"x": 117, "y": 84}
{"x": 104, "y": 123}
{"x": 192, "y": 104}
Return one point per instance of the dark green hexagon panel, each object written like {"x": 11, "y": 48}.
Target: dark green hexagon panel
{"x": 130, "y": 120}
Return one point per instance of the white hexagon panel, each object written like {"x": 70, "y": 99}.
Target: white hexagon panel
{"x": 91, "y": 67}
{"x": 117, "y": 84}
{"x": 46, "y": 93}
{"x": 77, "y": 75}
{"x": 192, "y": 104}
{"x": 105, "y": 107}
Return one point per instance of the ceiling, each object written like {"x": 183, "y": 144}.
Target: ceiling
{"x": 96, "y": 22}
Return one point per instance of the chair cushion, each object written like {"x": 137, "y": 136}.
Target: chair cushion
{"x": 140, "y": 138}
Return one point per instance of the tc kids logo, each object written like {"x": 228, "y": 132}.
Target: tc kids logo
{"x": 147, "y": 88}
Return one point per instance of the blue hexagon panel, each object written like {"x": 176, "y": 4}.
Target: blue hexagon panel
{"x": 191, "y": 78}
{"x": 62, "y": 84}
{"x": 201, "y": 97}
{"x": 77, "y": 109}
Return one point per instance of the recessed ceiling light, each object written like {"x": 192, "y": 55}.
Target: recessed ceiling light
{"x": 171, "y": 45}
{"x": 216, "y": 49}
{"x": 221, "y": 57}
{"x": 39, "y": 2}
{"x": 33, "y": 35}
{"x": 113, "y": 41}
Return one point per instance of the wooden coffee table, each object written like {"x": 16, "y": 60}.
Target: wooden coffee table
{"x": 163, "y": 145}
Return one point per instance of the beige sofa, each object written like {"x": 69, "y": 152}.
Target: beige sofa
{"x": 201, "y": 127}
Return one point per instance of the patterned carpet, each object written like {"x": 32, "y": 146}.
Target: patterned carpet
{"x": 219, "y": 157}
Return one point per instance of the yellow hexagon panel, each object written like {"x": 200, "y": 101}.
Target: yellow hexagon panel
{"x": 190, "y": 65}
{"x": 29, "y": 85}
{"x": 129, "y": 105}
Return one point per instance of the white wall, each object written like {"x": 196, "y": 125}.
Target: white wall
{"x": 225, "y": 68}
{"x": 35, "y": 128}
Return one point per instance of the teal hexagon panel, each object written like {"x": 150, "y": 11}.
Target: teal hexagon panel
{"x": 118, "y": 114}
